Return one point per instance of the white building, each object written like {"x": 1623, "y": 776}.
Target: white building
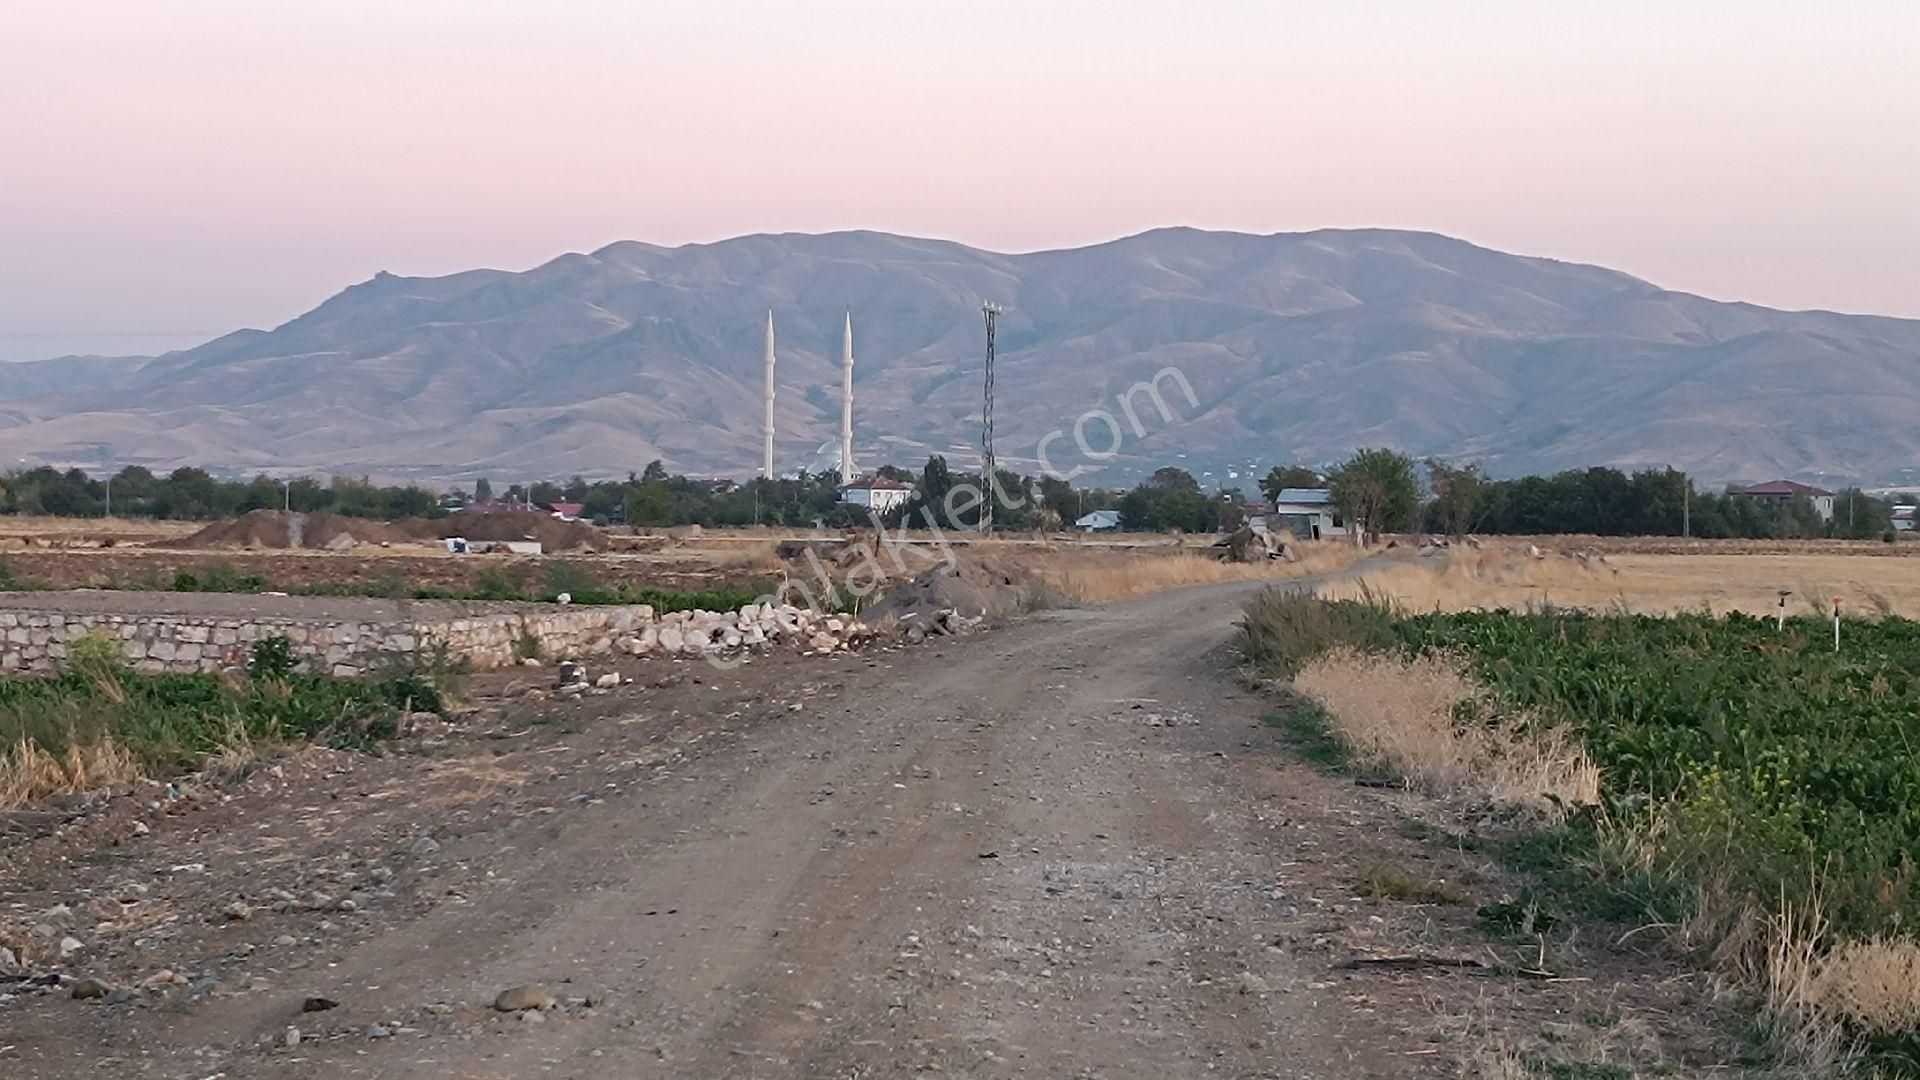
{"x": 877, "y": 493}
{"x": 1307, "y": 513}
{"x": 1099, "y": 521}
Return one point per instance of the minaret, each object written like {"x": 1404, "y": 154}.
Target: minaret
{"x": 766, "y": 456}
{"x": 846, "y": 402}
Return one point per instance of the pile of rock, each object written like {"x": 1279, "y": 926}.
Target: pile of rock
{"x": 693, "y": 633}
{"x": 767, "y": 625}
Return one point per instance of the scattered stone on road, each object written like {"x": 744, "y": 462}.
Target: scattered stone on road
{"x": 88, "y": 989}
{"x": 523, "y": 998}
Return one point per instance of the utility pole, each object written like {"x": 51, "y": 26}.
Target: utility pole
{"x": 992, "y": 312}
{"x": 1686, "y": 506}
{"x": 109, "y": 494}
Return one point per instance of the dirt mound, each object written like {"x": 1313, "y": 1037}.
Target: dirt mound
{"x": 552, "y": 533}
{"x": 972, "y": 586}
{"x": 276, "y": 529}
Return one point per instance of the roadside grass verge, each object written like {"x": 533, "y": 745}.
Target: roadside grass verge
{"x": 1747, "y": 792}
{"x": 98, "y": 723}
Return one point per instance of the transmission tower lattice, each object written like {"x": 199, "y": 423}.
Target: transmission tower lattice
{"x": 992, "y": 312}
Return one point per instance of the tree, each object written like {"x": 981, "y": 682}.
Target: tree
{"x": 1459, "y": 493}
{"x": 1859, "y": 516}
{"x": 482, "y": 490}
{"x": 1172, "y": 478}
{"x": 653, "y": 472}
{"x": 1376, "y": 491}
{"x": 1281, "y": 477}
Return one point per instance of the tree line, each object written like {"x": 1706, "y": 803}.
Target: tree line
{"x": 1377, "y": 490}
{"x": 1389, "y": 492}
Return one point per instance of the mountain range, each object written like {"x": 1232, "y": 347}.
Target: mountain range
{"x": 1297, "y": 347}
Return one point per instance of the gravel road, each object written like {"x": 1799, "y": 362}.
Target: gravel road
{"x": 1051, "y": 850}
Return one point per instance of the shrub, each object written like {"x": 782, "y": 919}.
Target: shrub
{"x": 1283, "y": 629}
{"x": 272, "y": 658}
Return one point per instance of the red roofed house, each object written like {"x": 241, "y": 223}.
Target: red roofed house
{"x": 877, "y": 493}
{"x": 565, "y": 511}
{"x": 1782, "y": 490}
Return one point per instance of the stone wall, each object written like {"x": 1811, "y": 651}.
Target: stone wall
{"x": 36, "y": 639}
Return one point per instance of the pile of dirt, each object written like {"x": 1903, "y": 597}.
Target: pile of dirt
{"x": 552, "y": 533}
{"x": 277, "y": 529}
{"x": 975, "y": 587}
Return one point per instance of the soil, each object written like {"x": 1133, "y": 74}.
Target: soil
{"x": 335, "y": 532}
{"x": 273, "y": 529}
{"x": 976, "y": 587}
{"x": 1064, "y": 848}
{"x": 409, "y": 567}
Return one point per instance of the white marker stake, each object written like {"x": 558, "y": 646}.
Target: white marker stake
{"x": 1836, "y": 624}
{"x": 1780, "y": 619}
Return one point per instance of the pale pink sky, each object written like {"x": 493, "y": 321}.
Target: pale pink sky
{"x": 193, "y": 166}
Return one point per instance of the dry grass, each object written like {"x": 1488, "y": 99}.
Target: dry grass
{"x": 1401, "y": 714}
{"x": 29, "y": 773}
{"x": 1510, "y": 575}
{"x": 1825, "y": 994}
{"x": 23, "y": 525}
{"x": 1101, "y": 577}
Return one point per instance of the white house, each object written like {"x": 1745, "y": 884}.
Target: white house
{"x": 1099, "y": 521}
{"x": 877, "y": 493}
{"x": 1307, "y": 513}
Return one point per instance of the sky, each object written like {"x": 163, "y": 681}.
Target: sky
{"x": 170, "y": 172}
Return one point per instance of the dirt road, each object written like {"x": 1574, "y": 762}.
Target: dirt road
{"x": 1065, "y": 848}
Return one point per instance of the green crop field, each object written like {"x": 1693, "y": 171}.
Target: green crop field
{"x": 1751, "y": 770}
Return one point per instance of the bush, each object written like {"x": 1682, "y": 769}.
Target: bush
{"x": 272, "y": 658}
{"x": 1283, "y": 629}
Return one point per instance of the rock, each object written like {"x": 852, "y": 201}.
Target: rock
{"x": 426, "y": 845}
{"x": 286, "y": 940}
{"x": 88, "y": 989}
{"x": 140, "y": 828}
{"x": 69, "y": 946}
{"x": 671, "y": 638}
{"x": 377, "y": 1031}
{"x": 238, "y": 911}
{"x": 120, "y": 995}
{"x": 1253, "y": 984}
{"x": 523, "y": 998}
{"x": 9, "y": 963}
{"x": 318, "y": 1004}
{"x": 608, "y": 681}
{"x": 525, "y": 661}
{"x": 380, "y": 875}
{"x": 291, "y": 1038}
{"x": 160, "y": 978}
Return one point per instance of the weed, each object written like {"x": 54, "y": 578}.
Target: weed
{"x": 1283, "y": 630}
{"x": 1304, "y": 727}
{"x": 1382, "y": 882}
{"x": 272, "y": 658}
{"x": 526, "y": 644}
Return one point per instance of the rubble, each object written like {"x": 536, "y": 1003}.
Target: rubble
{"x": 766, "y": 625}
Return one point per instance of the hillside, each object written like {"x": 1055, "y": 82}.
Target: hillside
{"x": 1297, "y": 346}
